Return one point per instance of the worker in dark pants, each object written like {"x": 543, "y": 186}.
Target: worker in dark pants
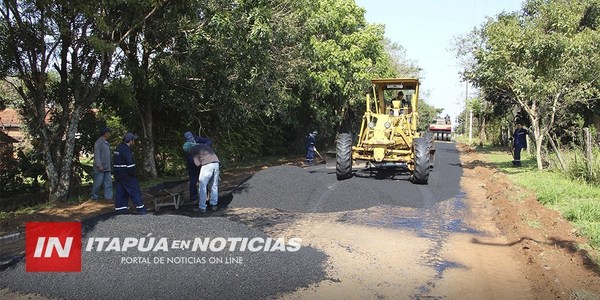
{"x": 519, "y": 143}
{"x": 310, "y": 147}
{"x": 125, "y": 178}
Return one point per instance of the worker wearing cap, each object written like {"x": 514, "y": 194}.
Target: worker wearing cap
{"x": 125, "y": 178}
{"x": 102, "y": 166}
{"x": 310, "y": 147}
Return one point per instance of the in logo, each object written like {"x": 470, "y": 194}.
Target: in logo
{"x": 53, "y": 247}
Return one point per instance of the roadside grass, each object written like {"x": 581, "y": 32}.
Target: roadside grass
{"x": 531, "y": 222}
{"x": 579, "y": 202}
{"x": 29, "y": 210}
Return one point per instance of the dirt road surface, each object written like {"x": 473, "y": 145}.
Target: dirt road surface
{"x": 465, "y": 235}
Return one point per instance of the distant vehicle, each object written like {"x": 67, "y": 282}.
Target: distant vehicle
{"x": 441, "y": 129}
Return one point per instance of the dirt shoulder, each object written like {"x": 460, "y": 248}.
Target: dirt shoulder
{"x": 540, "y": 238}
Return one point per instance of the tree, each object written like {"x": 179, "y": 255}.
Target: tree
{"x": 481, "y": 111}
{"x": 153, "y": 37}
{"x": 62, "y": 52}
{"x": 345, "y": 53}
{"x": 542, "y": 60}
{"x": 403, "y": 66}
{"x": 427, "y": 113}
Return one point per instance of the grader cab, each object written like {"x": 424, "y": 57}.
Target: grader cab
{"x": 388, "y": 134}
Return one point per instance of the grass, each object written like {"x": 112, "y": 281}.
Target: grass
{"x": 531, "y": 222}
{"x": 579, "y": 202}
{"x": 28, "y": 210}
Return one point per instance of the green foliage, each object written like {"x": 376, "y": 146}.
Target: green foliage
{"x": 288, "y": 70}
{"x": 22, "y": 175}
{"x": 254, "y": 76}
{"x": 62, "y": 52}
{"x": 427, "y": 113}
{"x": 576, "y": 166}
{"x": 544, "y": 60}
{"x": 11, "y": 179}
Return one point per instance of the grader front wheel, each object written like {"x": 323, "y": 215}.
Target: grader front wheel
{"x": 421, "y": 172}
{"x": 343, "y": 159}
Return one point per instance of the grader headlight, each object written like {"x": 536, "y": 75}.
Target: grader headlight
{"x": 371, "y": 125}
{"x": 387, "y": 125}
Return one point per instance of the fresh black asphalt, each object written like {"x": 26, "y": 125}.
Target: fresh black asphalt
{"x": 262, "y": 274}
{"x": 104, "y": 276}
{"x": 316, "y": 189}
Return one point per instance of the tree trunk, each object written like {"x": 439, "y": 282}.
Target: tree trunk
{"x": 149, "y": 163}
{"x": 537, "y": 133}
{"x": 538, "y": 152}
{"x": 482, "y": 135}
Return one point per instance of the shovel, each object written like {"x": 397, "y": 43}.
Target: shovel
{"x": 323, "y": 161}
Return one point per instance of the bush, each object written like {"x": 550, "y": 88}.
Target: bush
{"x": 20, "y": 176}
{"x": 576, "y": 165}
{"x": 11, "y": 181}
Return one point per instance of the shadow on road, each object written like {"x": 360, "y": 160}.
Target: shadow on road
{"x": 569, "y": 245}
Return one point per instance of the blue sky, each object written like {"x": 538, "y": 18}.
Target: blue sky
{"x": 426, "y": 29}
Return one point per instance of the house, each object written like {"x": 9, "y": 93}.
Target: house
{"x": 11, "y": 124}
{"x": 7, "y": 149}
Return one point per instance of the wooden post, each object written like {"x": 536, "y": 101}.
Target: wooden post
{"x": 557, "y": 151}
{"x": 588, "y": 150}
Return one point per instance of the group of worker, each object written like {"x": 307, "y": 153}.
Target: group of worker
{"x": 202, "y": 165}
{"x": 123, "y": 169}
{"x": 201, "y": 160}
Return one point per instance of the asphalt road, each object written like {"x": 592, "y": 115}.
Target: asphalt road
{"x": 262, "y": 274}
{"x": 214, "y": 273}
{"x": 316, "y": 189}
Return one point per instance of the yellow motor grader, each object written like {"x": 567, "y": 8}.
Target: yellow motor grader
{"x": 388, "y": 133}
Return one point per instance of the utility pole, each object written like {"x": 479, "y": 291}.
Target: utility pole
{"x": 470, "y": 126}
{"x": 466, "y": 104}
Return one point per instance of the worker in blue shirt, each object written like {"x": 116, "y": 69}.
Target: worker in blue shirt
{"x": 125, "y": 178}
{"x": 519, "y": 143}
{"x": 310, "y": 147}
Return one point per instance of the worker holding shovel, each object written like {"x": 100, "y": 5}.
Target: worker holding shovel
{"x": 310, "y": 147}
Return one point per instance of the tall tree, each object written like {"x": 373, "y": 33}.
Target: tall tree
{"x": 403, "y": 66}
{"x": 345, "y": 53}
{"x": 62, "y": 51}
{"x": 480, "y": 110}
{"x": 151, "y": 38}
{"x": 541, "y": 59}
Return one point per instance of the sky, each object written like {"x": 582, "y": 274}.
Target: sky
{"x": 427, "y": 29}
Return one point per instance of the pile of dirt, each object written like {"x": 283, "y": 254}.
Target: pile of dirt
{"x": 541, "y": 237}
